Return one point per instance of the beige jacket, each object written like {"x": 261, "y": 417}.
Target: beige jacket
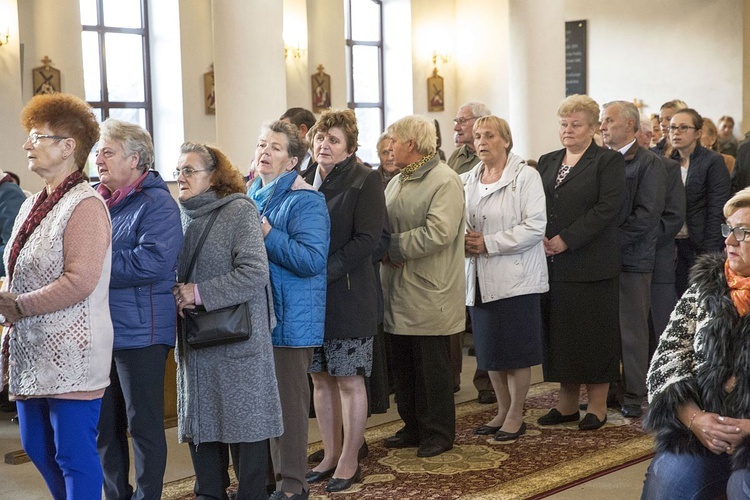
{"x": 426, "y": 212}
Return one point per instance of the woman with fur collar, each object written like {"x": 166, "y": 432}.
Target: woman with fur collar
{"x": 699, "y": 380}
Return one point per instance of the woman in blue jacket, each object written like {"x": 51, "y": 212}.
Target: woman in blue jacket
{"x": 146, "y": 239}
{"x": 295, "y": 224}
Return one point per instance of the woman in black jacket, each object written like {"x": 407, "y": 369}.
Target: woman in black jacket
{"x": 707, "y": 188}
{"x": 356, "y": 205}
{"x": 585, "y": 188}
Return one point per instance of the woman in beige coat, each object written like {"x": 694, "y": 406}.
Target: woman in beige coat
{"x": 423, "y": 285}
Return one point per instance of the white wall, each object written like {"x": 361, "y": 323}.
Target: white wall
{"x": 661, "y": 50}
{"x": 325, "y": 19}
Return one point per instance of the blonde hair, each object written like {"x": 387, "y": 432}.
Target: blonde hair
{"x": 498, "y": 124}
{"x": 740, "y": 200}
{"x": 418, "y": 129}
{"x": 580, "y": 102}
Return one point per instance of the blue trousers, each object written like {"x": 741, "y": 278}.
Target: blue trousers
{"x": 694, "y": 477}
{"x": 59, "y": 436}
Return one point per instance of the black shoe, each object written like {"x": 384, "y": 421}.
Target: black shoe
{"x": 363, "y": 451}
{"x": 486, "y": 430}
{"x": 554, "y": 417}
{"x": 486, "y": 397}
{"x": 591, "y": 422}
{"x": 400, "y": 441}
{"x": 432, "y": 450}
{"x": 336, "y": 484}
{"x": 631, "y": 411}
{"x": 316, "y": 477}
{"x": 317, "y": 456}
{"x": 280, "y": 495}
{"x": 510, "y": 436}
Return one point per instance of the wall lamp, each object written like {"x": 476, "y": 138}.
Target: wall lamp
{"x": 294, "y": 52}
{"x": 6, "y": 37}
{"x": 443, "y": 57}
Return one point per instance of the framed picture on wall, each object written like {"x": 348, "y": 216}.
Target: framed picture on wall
{"x": 435, "y": 96}
{"x": 46, "y": 79}
{"x": 321, "y": 90}
{"x": 209, "y": 92}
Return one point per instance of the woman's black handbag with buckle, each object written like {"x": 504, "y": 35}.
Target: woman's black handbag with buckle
{"x": 203, "y": 328}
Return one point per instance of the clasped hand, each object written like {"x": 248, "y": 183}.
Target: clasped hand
{"x": 554, "y": 245}
{"x": 719, "y": 434}
{"x": 474, "y": 243}
{"x": 8, "y": 308}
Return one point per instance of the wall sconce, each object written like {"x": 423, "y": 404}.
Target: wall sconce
{"x": 443, "y": 57}
{"x": 5, "y": 38}
{"x": 295, "y": 52}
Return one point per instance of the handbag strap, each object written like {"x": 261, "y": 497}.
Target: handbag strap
{"x": 198, "y": 247}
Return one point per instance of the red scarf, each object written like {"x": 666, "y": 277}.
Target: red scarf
{"x": 739, "y": 290}
{"x": 42, "y": 206}
{"x": 114, "y": 198}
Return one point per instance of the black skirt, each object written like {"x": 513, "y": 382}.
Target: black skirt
{"x": 582, "y": 332}
{"x": 507, "y": 332}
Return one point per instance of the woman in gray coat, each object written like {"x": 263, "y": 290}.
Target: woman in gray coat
{"x": 227, "y": 394}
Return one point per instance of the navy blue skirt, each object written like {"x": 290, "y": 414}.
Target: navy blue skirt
{"x": 507, "y": 332}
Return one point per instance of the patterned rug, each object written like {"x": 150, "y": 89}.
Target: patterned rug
{"x": 543, "y": 461}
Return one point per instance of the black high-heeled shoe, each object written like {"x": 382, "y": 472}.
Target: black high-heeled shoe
{"x": 317, "y": 476}
{"x": 337, "y": 484}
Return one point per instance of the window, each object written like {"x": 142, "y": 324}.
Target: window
{"x": 116, "y": 60}
{"x": 364, "y": 56}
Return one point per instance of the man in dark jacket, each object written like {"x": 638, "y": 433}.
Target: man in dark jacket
{"x": 645, "y": 178}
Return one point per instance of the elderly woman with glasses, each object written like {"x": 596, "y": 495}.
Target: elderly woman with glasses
{"x": 227, "y": 395}
{"x": 57, "y": 354}
{"x": 699, "y": 380}
{"x": 146, "y": 240}
{"x": 707, "y": 188}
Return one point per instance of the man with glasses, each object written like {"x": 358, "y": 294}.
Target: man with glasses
{"x": 462, "y": 160}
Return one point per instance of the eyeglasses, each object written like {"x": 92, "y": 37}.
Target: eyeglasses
{"x": 739, "y": 233}
{"x": 681, "y": 128}
{"x": 462, "y": 120}
{"x": 34, "y": 138}
{"x": 187, "y": 172}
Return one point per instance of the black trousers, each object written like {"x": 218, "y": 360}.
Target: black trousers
{"x": 211, "y": 461}
{"x": 685, "y": 260}
{"x": 424, "y": 388}
{"x": 134, "y": 401}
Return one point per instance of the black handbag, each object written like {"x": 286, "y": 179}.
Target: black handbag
{"x": 203, "y": 328}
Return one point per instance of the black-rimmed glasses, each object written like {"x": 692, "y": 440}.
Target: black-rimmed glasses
{"x": 739, "y": 233}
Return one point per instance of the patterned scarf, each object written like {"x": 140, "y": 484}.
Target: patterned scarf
{"x": 409, "y": 170}
{"x": 114, "y": 198}
{"x": 739, "y": 289}
{"x": 42, "y": 206}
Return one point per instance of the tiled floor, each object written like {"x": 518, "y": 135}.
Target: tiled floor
{"x": 23, "y": 482}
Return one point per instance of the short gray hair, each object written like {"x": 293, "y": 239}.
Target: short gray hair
{"x": 478, "y": 109}
{"x": 418, "y": 129}
{"x": 134, "y": 139}
{"x": 628, "y": 111}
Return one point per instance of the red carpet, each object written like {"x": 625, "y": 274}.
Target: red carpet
{"x": 540, "y": 463}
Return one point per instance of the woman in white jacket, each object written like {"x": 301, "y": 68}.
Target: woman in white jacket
{"x": 506, "y": 271}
